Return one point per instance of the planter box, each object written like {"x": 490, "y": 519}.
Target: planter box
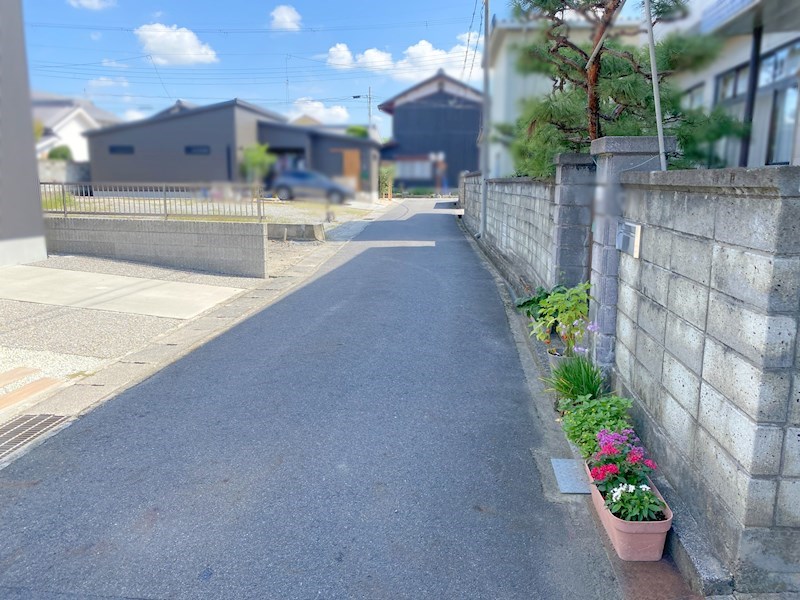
{"x": 633, "y": 540}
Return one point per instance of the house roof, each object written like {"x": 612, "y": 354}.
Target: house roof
{"x": 50, "y": 109}
{"x": 419, "y": 91}
{"x": 323, "y": 132}
{"x": 183, "y": 109}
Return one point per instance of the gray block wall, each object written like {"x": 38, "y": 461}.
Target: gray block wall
{"x": 537, "y": 232}
{"x": 706, "y": 340}
{"x": 228, "y": 248}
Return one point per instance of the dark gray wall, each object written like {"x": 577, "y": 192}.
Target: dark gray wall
{"x": 441, "y": 122}
{"x": 21, "y": 225}
{"x": 159, "y": 149}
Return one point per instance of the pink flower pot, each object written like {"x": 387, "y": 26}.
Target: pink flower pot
{"x": 633, "y": 540}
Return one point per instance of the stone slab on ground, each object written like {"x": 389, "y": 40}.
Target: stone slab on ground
{"x": 116, "y": 293}
{"x": 570, "y": 476}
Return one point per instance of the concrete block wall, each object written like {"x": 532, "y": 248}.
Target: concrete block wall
{"x": 538, "y": 232}
{"x": 228, "y": 248}
{"x": 706, "y": 341}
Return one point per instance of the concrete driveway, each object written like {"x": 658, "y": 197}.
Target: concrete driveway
{"x": 368, "y": 436}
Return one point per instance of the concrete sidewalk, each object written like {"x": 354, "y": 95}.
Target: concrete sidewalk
{"x": 76, "y": 330}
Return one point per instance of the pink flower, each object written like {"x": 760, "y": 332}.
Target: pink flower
{"x": 609, "y": 450}
{"x": 603, "y": 471}
{"x": 635, "y": 456}
{"x": 650, "y": 464}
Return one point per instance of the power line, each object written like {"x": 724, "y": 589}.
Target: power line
{"x": 158, "y": 75}
{"x": 469, "y": 38}
{"x": 475, "y": 52}
{"x": 248, "y": 30}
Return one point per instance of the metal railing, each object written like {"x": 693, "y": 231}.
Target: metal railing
{"x": 222, "y": 201}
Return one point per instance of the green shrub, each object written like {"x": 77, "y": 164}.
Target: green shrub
{"x": 589, "y": 415}
{"x": 60, "y": 153}
{"x": 574, "y": 378}
{"x": 566, "y": 309}
{"x": 531, "y": 306}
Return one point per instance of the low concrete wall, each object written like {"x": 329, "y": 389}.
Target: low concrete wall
{"x": 63, "y": 171}
{"x": 294, "y": 231}
{"x": 229, "y": 248}
{"x": 706, "y": 341}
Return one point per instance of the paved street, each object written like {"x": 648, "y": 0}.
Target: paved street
{"x": 368, "y": 436}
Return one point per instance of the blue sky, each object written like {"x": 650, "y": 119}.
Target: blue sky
{"x": 134, "y": 57}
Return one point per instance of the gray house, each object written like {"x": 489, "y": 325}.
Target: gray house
{"x": 21, "y": 225}
{"x": 188, "y": 143}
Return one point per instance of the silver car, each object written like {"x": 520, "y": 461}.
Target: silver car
{"x": 310, "y": 184}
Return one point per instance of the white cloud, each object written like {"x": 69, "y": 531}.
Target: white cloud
{"x": 331, "y": 115}
{"x": 375, "y": 60}
{"x": 423, "y": 59}
{"x": 470, "y": 38}
{"x": 95, "y": 36}
{"x": 113, "y": 64}
{"x": 107, "y": 82}
{"x": 340, "y": 57}
{"x": 133, "y": 114}
{"x": 92, "y": 4}
{"x": 158, "y": 14}
{"x": 420, "y": 61}
{"x": 173, "y": 45}
{"x": 285, "y": 17}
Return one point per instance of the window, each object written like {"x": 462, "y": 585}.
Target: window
{"x": 197, "y": 150}
{"x": 414, "y": 169}
{"x": 781, "y": 133}
{"x": 120, "y": 149}
{"x": 693, "y": 98}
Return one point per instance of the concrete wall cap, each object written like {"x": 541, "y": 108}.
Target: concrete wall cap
{"x": 781, "y": 181}
{"x": 631, "y": 145}
{"x": 573, "y": 158}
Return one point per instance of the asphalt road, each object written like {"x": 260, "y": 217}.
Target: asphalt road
{"x": 368, "y": 436}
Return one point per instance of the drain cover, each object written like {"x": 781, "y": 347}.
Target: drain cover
{"x": 20, "y": 431}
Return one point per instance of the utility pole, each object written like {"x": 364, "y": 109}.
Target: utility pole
{"x": 656, "y": 93}
{"x": 369, "y": 99}
{"x": 486, "y": 121}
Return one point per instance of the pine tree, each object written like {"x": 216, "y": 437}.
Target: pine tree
{"x": 613, "y": 95}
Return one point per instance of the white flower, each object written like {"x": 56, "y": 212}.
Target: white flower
{"x": 644, "y": 488}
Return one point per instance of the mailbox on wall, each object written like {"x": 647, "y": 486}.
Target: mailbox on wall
{"x": 629, "y": 237}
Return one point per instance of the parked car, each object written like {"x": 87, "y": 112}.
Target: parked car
{"x": 310, "y": 184}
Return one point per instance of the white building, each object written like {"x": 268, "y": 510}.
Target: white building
{"x": 725, "y": 81}
{"x": 64, "y": 121}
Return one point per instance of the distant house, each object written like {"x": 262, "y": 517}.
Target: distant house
{"x": 188, "y": 143}
{"x": 64, "y": 121}
{"x": 440, "y": 116}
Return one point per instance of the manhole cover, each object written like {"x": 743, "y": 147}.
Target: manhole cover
{"x": 20, "y": 431}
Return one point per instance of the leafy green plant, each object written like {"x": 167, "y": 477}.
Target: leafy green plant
{"x": 635, "y": 503}
{"x": 256, "y": 162}
{"x": 567, "y": 310}
{"x": 60, "y": 153}
{"x": 590, "y": 415}
{"x": 574, "y": 378}
{"x": 385, "y": 180}
{"x": 529, "y": 306}
{"x": 359, "y": 131}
